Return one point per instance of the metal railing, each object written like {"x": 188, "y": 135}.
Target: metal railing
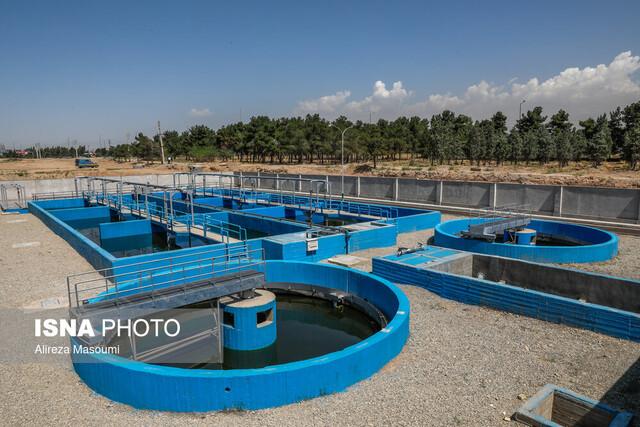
{"x": 302, "y": 202}
{"x": 18, "y": 201}
{"x": 495, "y": 221}
{"x": 503, "y": 211}
{"x": 85, "y": 288}
{"x": 176, "y": 219}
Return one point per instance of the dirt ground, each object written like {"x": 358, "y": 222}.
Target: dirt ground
{"x": 614, "y": 174}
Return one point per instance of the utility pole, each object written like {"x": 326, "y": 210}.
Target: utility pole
{"x": 161, "y": 143}
{"x": 341, "y": 156}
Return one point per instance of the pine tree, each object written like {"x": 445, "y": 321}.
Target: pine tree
{"x": 632, "y": 146}
{"x": 562, "y": 142}
{"x": 515, "y": 146}
{"x": 599, "y": 146}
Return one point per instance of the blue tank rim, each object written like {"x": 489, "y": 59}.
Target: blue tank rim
{"x": 612, "y": 236}
{"x": 396, "y": 333}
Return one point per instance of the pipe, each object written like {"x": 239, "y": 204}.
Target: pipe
{"x": 404, "y": 251}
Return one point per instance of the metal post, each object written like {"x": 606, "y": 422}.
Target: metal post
{"x": 342, "y": 156}
{"x": 146, "y": 201}
{"x": 192, "y": 214}
{"x": 171, "y": 208}
{"x": 164, "y": 206}
{"x": 161, "y": 143}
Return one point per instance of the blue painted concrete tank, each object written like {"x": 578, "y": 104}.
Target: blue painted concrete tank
{"x": 526, "y": 236}
{"x": 169, "y": 388}
{"x": 556, "y": 242}
{"x": 250, "y": 323}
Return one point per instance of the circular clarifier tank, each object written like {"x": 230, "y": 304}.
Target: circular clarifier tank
{"x": 540, "y": 241}
{"x": 315, "y": 329}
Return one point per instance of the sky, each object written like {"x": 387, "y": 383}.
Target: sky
{"x": 90, "y": 71}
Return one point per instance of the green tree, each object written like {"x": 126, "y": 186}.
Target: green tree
{"x": 143, "y": 147}
{"x": 545, "y": 145}
{"x": 531, "y": 120}
{"x": 578, "y": 145}
{"x": 632, "y": 145}
{"x": 599, "y": 146}
{"x": 501, "y": 148}
{"x": 529, "y": 146}
{"x": 563, "y": 144}
{"x": 616, "y": 125}
{"x": 515, "y": 145}
{"x": 474, "y": 144}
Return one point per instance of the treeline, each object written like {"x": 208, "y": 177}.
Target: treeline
{"x": 46, "y": 152}
{"x": 445, "y": 138}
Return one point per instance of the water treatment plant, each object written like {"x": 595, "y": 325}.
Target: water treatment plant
{"x": 287, "y": 292}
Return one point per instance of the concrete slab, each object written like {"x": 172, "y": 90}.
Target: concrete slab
{"x": 25, "y": 245}
{"x": 347, "y": 260}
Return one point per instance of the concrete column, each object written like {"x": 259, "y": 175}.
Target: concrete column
{"x": 557, "y": 202}
{"x": 258, "y": 183}
{"x": 395, "y": 189}
{"x": 358, "y": 187}
{"x": 277, "y": 181}
{"x": 493, "y": 190}
{"x": 299, "y": 184}
{"x": 439, "y": 192}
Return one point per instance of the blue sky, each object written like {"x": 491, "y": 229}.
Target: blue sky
{"x": 88, "y": 70}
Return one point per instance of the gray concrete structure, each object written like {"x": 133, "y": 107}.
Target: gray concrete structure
{"x": 606, "y": 204}
{"x": 350, "y": 185}
{"x": 471, "y": 194}
{"x": 599, "y": 203}
{"x": 418, "y": 190}
{"x": 620, "y": 203}
{"x": 377, "y": 188}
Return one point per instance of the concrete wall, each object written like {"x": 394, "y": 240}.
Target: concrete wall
{"x": 68, "y": 184}
{"x": 115, "y": 230}
{"x": 82, "y": 213}
{"x": 618, "y": 205}
{"x": 526, "y": 302}
{"x": 611, "y": 204}
{"x": 97, "y": 257}
{"x": 350, "y": 185}
{"x": 614, "y": 292}
{"x": 377, "y": 188}
{"x": 418, "y": 190}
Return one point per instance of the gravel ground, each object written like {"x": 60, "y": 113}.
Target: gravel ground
{"x": 462, "y": 365}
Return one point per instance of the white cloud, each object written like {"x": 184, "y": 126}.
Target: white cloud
{"x": 582, "y": 92}
{"x": 382, "y": 99}
{"x": 200, "y": 112}
{"x": 324, "y": 104}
